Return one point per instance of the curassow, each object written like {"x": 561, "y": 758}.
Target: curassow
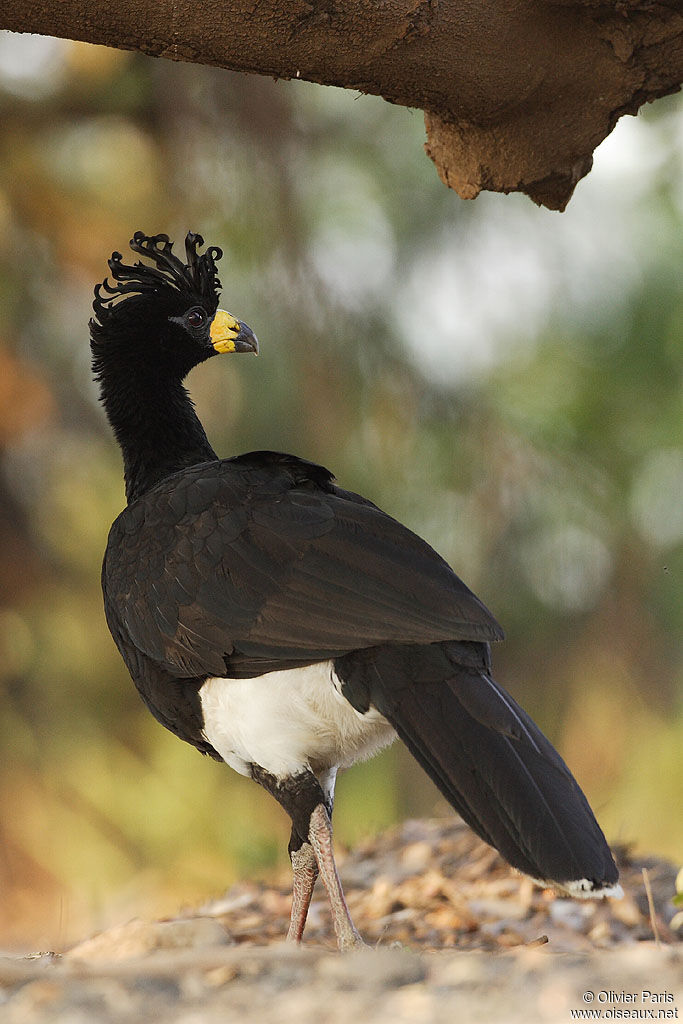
{"x": 290, "y": 627}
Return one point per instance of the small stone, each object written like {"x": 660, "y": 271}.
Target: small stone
{"x": 139, "y": 938}
{"x": 626, "y": 910}
{"x": 572, "y": 914}
{"x": 374, "y": 969}
{"x": 417, "y": 856}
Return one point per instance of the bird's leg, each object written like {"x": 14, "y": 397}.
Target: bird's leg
{"x": 303, "y": 798}
{"x": 305, "y": 873}
{"x": 320, "y": 838}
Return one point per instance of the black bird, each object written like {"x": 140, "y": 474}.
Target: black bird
{"x": 290, "y": 627}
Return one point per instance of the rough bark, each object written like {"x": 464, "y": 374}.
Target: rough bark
{"x": 516, "y": 93}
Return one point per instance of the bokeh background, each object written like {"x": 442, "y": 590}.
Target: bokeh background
{"x": 505, "y": 380}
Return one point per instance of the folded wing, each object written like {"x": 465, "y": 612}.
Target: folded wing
{"x": 243, "y": 565}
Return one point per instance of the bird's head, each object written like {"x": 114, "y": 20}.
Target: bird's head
{"x": 163, "y": 313}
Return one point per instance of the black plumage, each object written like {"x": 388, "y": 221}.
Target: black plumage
{"x": 260, "y": 607}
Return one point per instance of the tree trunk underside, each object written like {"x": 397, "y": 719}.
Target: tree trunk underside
{"x": 517, "y": 94}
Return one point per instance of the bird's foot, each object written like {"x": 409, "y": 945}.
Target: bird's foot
{"x": 349, "y": 939}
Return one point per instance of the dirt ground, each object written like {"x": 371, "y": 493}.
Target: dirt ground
{"x": 453, "y": 934}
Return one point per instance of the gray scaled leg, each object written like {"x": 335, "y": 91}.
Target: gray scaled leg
{"x": 305, "y": 873}
{"x": 309, "y": 805}
{"x": 320, "y": 838}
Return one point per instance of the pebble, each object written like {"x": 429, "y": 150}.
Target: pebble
{"x": 139, "y": 938}
{"x": 373, "y": 969}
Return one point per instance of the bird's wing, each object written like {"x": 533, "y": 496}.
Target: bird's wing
{"x": 253, "y": 562}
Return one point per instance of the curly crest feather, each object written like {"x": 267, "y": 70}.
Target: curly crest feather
{"x": 197, "y": 277}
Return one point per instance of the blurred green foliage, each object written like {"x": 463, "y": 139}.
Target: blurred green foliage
{"x": 505, "y": 380}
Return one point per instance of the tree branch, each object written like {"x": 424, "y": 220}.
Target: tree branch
{"x": 517, "y": 93}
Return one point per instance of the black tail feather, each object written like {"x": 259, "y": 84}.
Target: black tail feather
{"x": 489, "y": 759}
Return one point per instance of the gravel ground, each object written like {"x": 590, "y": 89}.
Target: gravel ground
{"x": 454, "y": 933}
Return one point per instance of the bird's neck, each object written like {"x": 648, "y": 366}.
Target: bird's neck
{"x": 157, "y": 429}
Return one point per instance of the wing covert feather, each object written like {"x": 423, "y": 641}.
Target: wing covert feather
{"x": 262, "y": 557}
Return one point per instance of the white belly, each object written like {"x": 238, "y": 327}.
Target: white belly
{"x": 289, "y": 721}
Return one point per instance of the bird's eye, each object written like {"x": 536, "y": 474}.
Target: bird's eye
{"x": 196, "y": 318}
